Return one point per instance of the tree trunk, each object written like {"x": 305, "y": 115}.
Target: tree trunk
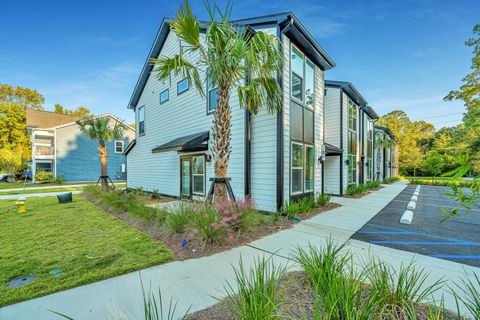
{"x": 103, "y": 164}
{"x": 222, "y": 136}
{"x": 379, "y": 154}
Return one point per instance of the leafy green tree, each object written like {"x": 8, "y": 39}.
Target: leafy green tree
{"x": 229, "y": 54}
{"x": 433, "y": 164}
{"x": 28, "y": 98}
{"x": 80, "y": 111}
{"x": 103, "y": 131}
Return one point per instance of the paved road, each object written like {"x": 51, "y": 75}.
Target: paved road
{"x": 456, "y": 239}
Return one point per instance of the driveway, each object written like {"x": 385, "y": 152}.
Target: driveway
{"x": 456, "y": 239}
{"x": 194, "y": 283}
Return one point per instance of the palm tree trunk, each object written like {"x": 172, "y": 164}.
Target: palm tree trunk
{"x": 222, "y": 136}
{"x": 103, "y": 165}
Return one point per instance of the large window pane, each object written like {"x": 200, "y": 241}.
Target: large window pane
{"x": 297, "y": 87}
{"x": 297, "y": 168}
{"x": 296, "y": 121}
{"x": 309, "y": 84}
{"x": 198, "y": 184}
{"x": 297, "y": 180}
{"x": 309, "y": 168}
{"x": 297, "y": 155}
{"x": 198, "y": 165}
{"x": 308, "y": 126}
{"x": 297, "y": 62}
{"x": 212, "y": 99}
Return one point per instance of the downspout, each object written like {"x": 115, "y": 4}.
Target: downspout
{"x": 247, "y": 150}
{"x": 323, "y": 138}
{"x": 280, "y": 153}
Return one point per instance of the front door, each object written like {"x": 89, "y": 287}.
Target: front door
{"x": 186, "y": 185}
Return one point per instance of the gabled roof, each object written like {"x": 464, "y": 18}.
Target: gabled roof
{"x": 371, "y": 113}
{"x": 349, "y": 89}
{"x": 286, "y": 21}
{"x": 40, "y": 119}
{"x": 192, "y": 142}
{"x": 386, "y": 130}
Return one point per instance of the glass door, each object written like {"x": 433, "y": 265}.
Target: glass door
{"x": 186, "y": 178}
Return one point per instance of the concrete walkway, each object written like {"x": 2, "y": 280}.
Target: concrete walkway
{"x": 38, "y": 194}
{"x": 193, "y": 282}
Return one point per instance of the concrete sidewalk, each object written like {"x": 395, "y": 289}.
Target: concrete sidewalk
{"x": 37, "y": 194}
{"x": 193, "y": 282}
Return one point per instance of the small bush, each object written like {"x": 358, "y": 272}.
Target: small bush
{"x": 60, "y": 179}
{"x": 305, "y": 204}
{"x": 208, "y": 225}
{"x": 155, "y": 194}
{"x": 391, "y": 180}
{"x": 178, "y": 220}
{"x": 238, "y": 215}
{"x": 354, "y": 189}
{"x": 322, "y": 199}
{"x": 373, "y": 184}
{"x": 44, "y": 177}
{"x": 256, "y": 294}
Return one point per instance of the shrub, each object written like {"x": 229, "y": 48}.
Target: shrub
{"x": 402, "y": 286}
{"x": 470, "y": 289}
{"x": 60, "y": 178}
{"x": 354, "y": 189}
{"x": 179, "y": 219}
{"x": 391, "y": 180}
{"x": 373, "y": 184}
{"x": 238, "y": 215}
{"x": 44, "y": 177}
{"x": 207, "y": 224}
{"x": 322, "y": 199}
{"x": 257, "y": 292}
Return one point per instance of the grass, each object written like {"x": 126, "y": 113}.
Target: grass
{"x": 391, "y": 180}
{"x": 85, "y": 242}
{"x": 19, "y": 185}
{"x": 256, "y": 293}
{"x": 442, "y": 181}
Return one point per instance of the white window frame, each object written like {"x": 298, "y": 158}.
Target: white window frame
{"x": 123, "y": 145}
{"x": 142, "y": 108}
{"x": 198, "y": 174}
{"x": 305, "y": 190}
{"x": 168, "y": 96}
{"x": 297, "y": 168}
{"x": 179, "y": 92}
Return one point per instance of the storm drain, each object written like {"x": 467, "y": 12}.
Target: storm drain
{"x": 21, "y": 281}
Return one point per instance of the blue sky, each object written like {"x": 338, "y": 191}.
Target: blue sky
{"x": 399, "y": 54}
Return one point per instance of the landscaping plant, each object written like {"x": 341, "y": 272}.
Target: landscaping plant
{"x": 208, "y": 225}
{"x": 179, "y": 219}
{"x": 469, "y": 296}
{"x": 44, "y": 177}
{"x": 229, "y": 54}
{"x": 256, "y": 294}
{"x": 103, "y": 131}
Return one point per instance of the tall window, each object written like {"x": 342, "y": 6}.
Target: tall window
{"x": 369, "y": 150}
{"x": 141, "y": 120}
{"x": 352, "y": 141}
{"x": 198, "y": 175}
{"x": 302, "y": 123}
{"x": 212, "y": 95}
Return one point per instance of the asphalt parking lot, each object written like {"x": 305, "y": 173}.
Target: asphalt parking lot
{"x": 456, "y": 239}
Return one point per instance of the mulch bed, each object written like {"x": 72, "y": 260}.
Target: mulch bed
{"x": 196, "y": 248}
{"x": 299, "y": 301}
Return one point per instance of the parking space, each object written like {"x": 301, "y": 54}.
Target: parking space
{"x": 456, "y": 239}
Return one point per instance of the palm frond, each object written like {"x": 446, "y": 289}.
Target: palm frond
{"x": 186, "y": 26}
{"x": 177, "y": 64}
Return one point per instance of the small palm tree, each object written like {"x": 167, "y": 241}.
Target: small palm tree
{"x": 227, "y": 54}
{"x": 101, "y": 130}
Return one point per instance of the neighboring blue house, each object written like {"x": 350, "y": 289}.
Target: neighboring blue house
{"x": 59, "y": 146}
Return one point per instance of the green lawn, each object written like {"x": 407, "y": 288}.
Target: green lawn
{"x": 87, "y": 243}
{"x": 19, "y": 184}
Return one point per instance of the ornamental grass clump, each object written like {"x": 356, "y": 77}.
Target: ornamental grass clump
{"x": 208, "y": 225}
{"x": 238, "y": 215}
{"x": 257, "y": 291}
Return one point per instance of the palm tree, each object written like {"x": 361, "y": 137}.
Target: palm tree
{"x": 381, "y": 140}
{"x": 101, "y": 130}
{"x": 227, "y": 54}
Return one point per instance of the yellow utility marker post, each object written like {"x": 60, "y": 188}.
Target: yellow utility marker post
{"x": 21, "y": 204}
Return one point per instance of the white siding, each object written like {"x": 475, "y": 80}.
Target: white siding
{"x": 182, "y": 115}
{"x": 319, "y": 96}
{"x": 332, "y": 116}
{"x": 286, "y": 119}
{"x": 332, "y": 175}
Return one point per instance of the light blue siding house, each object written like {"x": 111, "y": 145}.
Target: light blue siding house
{"x": 274, "y": 158}
{"x": 59, "y": 146}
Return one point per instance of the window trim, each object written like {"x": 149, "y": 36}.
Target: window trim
{"x": 140, "y": 134}
{"x": 115, "y": 146}
{"x": 210, "y": 111}
{"x": 184, "y": 90}
{"x": 297, "y": 168}
{"x": 301, "y": 102}
{"x": 305, "y": 190}
{"x": 198, "y": 174}
{"x": 168, "y": 95}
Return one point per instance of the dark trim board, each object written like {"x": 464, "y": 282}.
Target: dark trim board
{"x": 280, "y": 153}
{"x": 341, "y": 141}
